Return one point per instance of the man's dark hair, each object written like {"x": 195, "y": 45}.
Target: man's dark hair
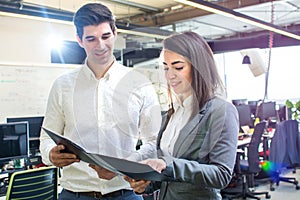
{"x": 92, "y": 14}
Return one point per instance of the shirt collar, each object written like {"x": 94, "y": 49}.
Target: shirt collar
{"x": 90, "y": 74}
{"x": 186, "y": 103}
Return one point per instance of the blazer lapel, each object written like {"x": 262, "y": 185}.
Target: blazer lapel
{"x": 187, "y": 135}
{"x": 166, "y": 115}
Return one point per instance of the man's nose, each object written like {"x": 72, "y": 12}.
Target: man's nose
{"x": 100, "y": 42}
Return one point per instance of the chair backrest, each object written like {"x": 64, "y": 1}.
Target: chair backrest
{"x": 253, "y": 148}
{"x": 22, "y": 143}
{"x": 39, "y": 183}
{"x": 284, "y": 148}
{"x": 292, "y": 131}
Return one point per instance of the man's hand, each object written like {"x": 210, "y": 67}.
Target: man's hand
{"x": 138, "y": 186}
{"x": 102, "y": 172}
{"x": 61, "y": 159}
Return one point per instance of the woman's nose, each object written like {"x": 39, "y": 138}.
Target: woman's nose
{"x": 171, "y": 74}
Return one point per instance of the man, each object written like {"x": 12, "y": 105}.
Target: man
{"x": 102, "y": 106}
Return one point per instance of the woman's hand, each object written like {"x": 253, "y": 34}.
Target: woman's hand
{"x": 102, "y": 172}
{"x": 157, "y": 164}
{"x": 138, "y": 186}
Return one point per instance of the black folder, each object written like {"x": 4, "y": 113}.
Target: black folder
{"x": 119, "y": 166}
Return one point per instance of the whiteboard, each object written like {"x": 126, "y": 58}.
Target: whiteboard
{"x": 24, "y": 89}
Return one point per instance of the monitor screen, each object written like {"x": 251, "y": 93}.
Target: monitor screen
{"x": 283, "y": 112}
{"x": 14, "y": 140}
{"x": 237, "y": 102}
{"x": 69, "y": 53}
{"x": 253, "y": 106}
{"x": 34, "y": 123}
{"x": 244, "y": 115}
{"x": 267, "y": 110}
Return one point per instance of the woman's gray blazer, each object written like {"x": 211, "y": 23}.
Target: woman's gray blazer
{"x": 204, "y": 154}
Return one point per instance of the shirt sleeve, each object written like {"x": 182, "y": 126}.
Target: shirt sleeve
{"x": 53, "y": 120}
{"x": 149, "y": 124}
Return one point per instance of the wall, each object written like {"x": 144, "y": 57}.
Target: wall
{"x": 26, "y": 41}
{"x": 26, "y": 74}
{"x": 25, "y": 88}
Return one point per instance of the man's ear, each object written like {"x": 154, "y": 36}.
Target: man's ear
{"x": 115, "y": 32}
{"x": 79, "y": 40}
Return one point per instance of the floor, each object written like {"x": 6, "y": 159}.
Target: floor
{"x": 283, "y": 191}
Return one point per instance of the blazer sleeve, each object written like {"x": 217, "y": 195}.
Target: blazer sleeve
{"x": 216, "y": 156}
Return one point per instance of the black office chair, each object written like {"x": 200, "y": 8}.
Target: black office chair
{"x": 33, "y": 184}
{"x": 249, "y": 167}
{"x": 284, "y": 152}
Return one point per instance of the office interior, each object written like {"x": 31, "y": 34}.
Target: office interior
{"x": 38, "y": 44}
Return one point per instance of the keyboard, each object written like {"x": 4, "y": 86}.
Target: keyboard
{"x": 3, "y": 189}
{"x": 3, "y": 184}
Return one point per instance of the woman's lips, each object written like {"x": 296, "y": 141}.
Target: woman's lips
{"x": 174, "y": 84}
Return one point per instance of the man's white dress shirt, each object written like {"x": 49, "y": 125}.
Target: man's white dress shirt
{"x": 105, "y": 116}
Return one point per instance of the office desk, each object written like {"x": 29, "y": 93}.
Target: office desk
{"x": 265, "y": 141}
{"x": 3, "y": 176}
{"x": 244, "y": 142}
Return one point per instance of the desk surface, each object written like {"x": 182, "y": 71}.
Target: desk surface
{"x": 244, "y": 141}
{"x": 247, "y": 139}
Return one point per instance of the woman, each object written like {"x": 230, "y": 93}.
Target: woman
{"x": 198, "y": 140}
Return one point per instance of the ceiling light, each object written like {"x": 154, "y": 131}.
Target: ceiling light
{"x": 176, "y": 7}
{"x": 246, "y": 60}
{"x": 210, "y": 7}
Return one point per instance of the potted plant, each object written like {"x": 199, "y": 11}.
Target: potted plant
{"x": 294, "y": 108}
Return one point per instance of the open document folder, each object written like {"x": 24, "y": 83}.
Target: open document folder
{"x": 119, "y": 166}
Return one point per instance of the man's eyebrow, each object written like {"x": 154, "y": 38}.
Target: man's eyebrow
{"x": 104, "y": 34}
{"x": 108, "y": 33}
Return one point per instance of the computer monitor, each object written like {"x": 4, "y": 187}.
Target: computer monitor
{"x": 245, "y": 118}
{"x": 267, "y": 110}
{"x": 237, "y": 102}
{"x": 253, "y": 106}
{"x": 34, "y": 123}
{"x": 14, "y": 141}
{"x": 283, "y": 112}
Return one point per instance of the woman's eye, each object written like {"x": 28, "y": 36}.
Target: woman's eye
{"x": 179, "y": 68}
